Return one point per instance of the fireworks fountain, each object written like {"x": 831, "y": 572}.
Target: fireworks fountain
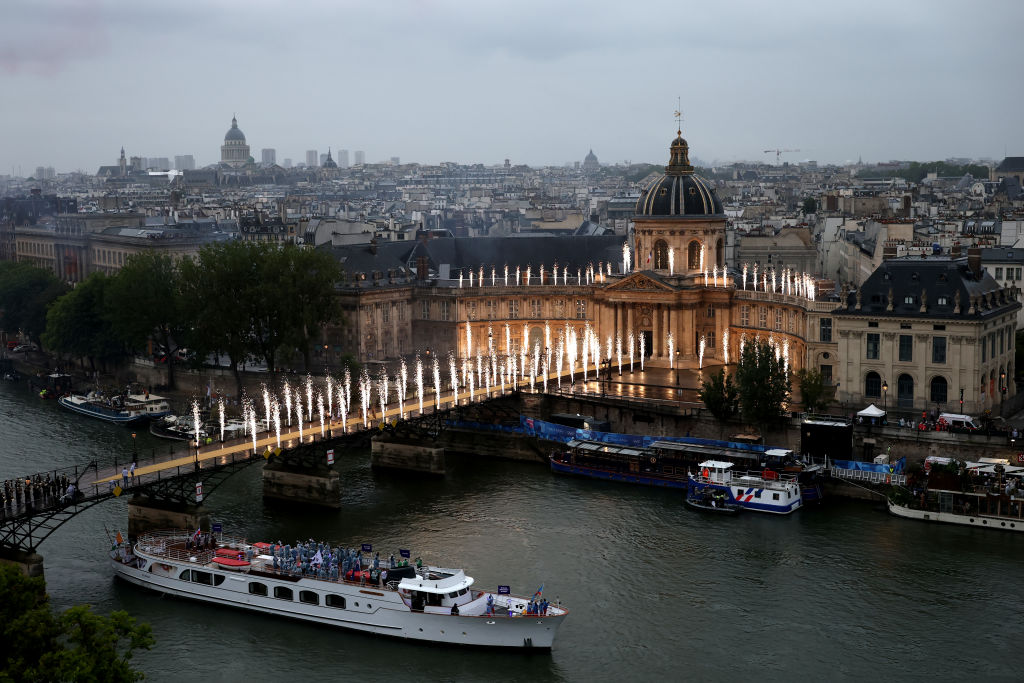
{"x": 330, "y": 397}
{"x": 288, "y": 402}
{"x": 626, "y": 266}
{"x": 671, "y": 352}
{"x": 744, "y": 276}
{"x": 195, "y": 422}
{"x": 309, "y": 397}
{"x": 700, "y": 352}
{"x": 364, "y": 396}
{"x": 632, "y": 346}
{"x": 298, "y": 414}
{"x": 558, "y": 357}
{"x": 618, "y": 350}
{"x": 382, "y": 394}
{"x": 419, "y": 382}
{"x": 454, "y": 375}
{"x": 220, "y": 409}
{"x": 277, "y": 421}
{"x": 437, "y": 385}
{"x": 401, "y": 384}
{"x": 252, "y": 425}
{"x": 671, "y": 260}
{"x": 643, "y": 351}
{"x": 725, "y": 346}
{"x": 320, "y": 409}
{"x": 266, "y": 406}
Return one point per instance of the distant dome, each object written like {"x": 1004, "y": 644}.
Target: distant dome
{"x": 680, "y": 192}
{"x": 234, "y": 133}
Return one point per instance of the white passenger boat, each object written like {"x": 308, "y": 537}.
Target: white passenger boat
{"x": 760, "y": 491}
{"x": 417, "y": 603}
{"x": 119, "y": 409}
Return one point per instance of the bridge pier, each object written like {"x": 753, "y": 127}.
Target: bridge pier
{"x": 30, "y": 563}
{"x": 145, "y": 514}
{"x": 406, "y": 455}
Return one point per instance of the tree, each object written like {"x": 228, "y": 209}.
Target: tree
{"x": 216, "y": 284}
{"x": 146, "y": 302}
{"x": 26, "y": 292}
{"x": 273, "y": 308}
{"x": 720, "y": 395}
{"x": 812, "y": 390}
{"x": 810, "y": 205}
{"x": 763, "y": 384}
{"x": 78, "y": 645}
{"x": 77, "y": 324}
{"x": 314, "y": 303}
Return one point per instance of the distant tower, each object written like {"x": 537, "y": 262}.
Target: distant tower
{"x": 329, "y": 162}
{"x": 590, "y": 163}
{"x": 234, "y": 151}
{"x": 269, "y": 155}
{"x": 312, "y": 158}
{"x": 122, "y": 164}
{"x": 343, "y": 158}
{"x": 360, "y": 157}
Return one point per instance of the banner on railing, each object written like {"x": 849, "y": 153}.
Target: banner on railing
{"x": 895, "y": 468}
{"x": 556, "y": 432}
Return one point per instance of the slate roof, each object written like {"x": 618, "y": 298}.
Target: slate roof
{"x": 941, "y": 278}
{"x": 1011, "y": 165}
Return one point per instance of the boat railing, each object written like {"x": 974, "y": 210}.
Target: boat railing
{"x": 780, "y": 482}
{"x": 172, "y": 545}
{"x": 868, "y": 477}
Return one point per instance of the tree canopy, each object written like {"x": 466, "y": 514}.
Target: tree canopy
{"x": 813, "y": 390}
{"x": 916, "y": 171}
{"x": 77, "y": 324}
{"x": 720, "y": 395}
{"x": 26, "y": 291}
{"x": 78, "y": 645}
{"x": 763, "y": 384}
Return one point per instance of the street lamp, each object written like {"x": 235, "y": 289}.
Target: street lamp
{"x": 885, "y": 395}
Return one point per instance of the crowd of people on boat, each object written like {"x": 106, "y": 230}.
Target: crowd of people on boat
{"x": 320, "y": 560}
{"x": 37, "y": 491}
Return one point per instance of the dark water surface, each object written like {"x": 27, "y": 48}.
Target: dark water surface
{"x": 656, "y": 592}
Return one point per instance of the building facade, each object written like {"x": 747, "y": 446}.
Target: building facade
{"x": 234, "y": 152}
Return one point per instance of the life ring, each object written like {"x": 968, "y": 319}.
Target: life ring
{"x": 653, "y": 460}
{"x": 165, "y": 567}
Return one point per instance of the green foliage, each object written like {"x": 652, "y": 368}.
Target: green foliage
{"x": 813, "y": 390}
{"x": 78, "y": 645}
{"x": 26, "y": 292}
{"x": 311, "y": 276}
{"x": 77, "y": 323}
{"x": 763, "y": 384}
{"x": 917, "y": 171}
{"x": 810, "y": 205}
{"x": 152, "y": 283}
{"x": 720, "y": 395}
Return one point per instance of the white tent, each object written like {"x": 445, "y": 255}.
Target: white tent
{"x": 871, "y": 411}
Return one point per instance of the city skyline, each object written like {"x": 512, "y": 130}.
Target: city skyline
{"x": 537, "y": 84}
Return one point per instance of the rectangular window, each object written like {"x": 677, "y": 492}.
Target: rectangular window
{"x": 471, "y": 310}
{"x": 872, "y": 324}
{"x": 938, "y": 349}
{"x": 444, "y": 310}
{"x": 778, "y": 319}
{"x": 426, "y": 310}
{"x": 999, "y": 272}
{"x": 492, "y": 309}
{"x": 710, "y": 313}
{"x": 309, "y": 597}
{"x": 872, "y": 347}
{"x": 745, "y": 316}
{"x": 513, "y": 308}
{"x": 825, "y": 330}
{"x": 385, "y": 313}
{"x": 710, "y": 341}
{"x": 762, "y": 316}
{"x": 581, "y": 309}
{"x": 906, "y": 348}
{"x": 826, "y": 374}
{"x": 202, "y": 577}
{"x": 282, "y": 593}
{"x": 257, "y": 588}
{"x": 790, "y": 322}
{"x": 336, "y": 601}
{"x": 535, "y": 308}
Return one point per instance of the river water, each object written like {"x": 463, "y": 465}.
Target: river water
{"x": 655, "y": 591}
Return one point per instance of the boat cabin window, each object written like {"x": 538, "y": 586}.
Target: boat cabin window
{"x": 335, "y": 601}
{"x": 218, "y": 579}
{"x": 283, "y": 593}
{"x": 453, "y": 595}
{"x": 256, "y": 588}
{"x": 202, "y": 577}
{"x": 775, "y": 496}
{"x": 309, "y": 597}
{"x": 184, "y": 575}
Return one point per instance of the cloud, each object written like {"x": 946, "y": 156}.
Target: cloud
{"x": 44, "y": 37}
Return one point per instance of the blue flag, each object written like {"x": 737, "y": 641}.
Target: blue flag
{"x": 367, "y": 548}
{"x": 403, "y": 552}
{"x": 504, "y": 590}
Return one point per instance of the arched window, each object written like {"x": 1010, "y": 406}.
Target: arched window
{"x": 873, "y": 385}
{"x": 905, "y": 391}
{"x": 693, "y": 255}
{"x": 661, "y": 255}
{"x": 938, "y": 390}
{"x": 720, "y": 253}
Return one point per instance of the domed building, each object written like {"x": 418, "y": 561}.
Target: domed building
{"x": 234, "y": 151}
{"x": 590, "y": 163}
{"x": 329, "y": 162}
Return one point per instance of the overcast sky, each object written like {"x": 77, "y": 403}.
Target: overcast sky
{"x": 538, "y": 82}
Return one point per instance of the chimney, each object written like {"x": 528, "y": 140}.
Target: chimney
{"x": 955, "y": 251}
{"x": 421, "y": 268}
{"x": 373, "y": 247}
{"x": 888, "y": 253}
{"x": 974, "y": 261}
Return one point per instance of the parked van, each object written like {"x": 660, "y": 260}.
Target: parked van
{"x": 953, "y": 422}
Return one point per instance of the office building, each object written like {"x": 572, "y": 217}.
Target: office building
{"x": 268, "y": 155}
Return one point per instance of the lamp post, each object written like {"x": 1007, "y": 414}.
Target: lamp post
{"x": 885, "y": 395}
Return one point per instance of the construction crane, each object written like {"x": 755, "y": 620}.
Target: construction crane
{"x": 779, "y": 153}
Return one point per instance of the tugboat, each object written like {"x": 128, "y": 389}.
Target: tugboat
{"x": 337, "y": 587}
{"x": 766, "y": 491}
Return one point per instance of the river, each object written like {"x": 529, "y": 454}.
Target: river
{"x": 656, "y": 591}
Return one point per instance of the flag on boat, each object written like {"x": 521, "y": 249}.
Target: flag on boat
{"x": 120, "y": 540}
{"x": 195, "y": 536}
{"x": 318, "y": 559}
{"x": 539, "y": 591}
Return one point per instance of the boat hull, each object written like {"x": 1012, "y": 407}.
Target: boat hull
{"x": 752, "y": 497}
{"x": 608, "y": 475}
{"x": 106, "y": 416}
{"x": 980, "y": 521}
{"x": 368, "y": 609}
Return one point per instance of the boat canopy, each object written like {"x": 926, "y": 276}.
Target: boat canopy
{"x": 444, "y": 582}
{"x": 596, "y": 447}
{"x": 703, "y": 450}
{"x": 715, "y": 465}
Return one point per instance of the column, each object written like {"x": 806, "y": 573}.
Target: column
{"x": 656, "y": 332}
